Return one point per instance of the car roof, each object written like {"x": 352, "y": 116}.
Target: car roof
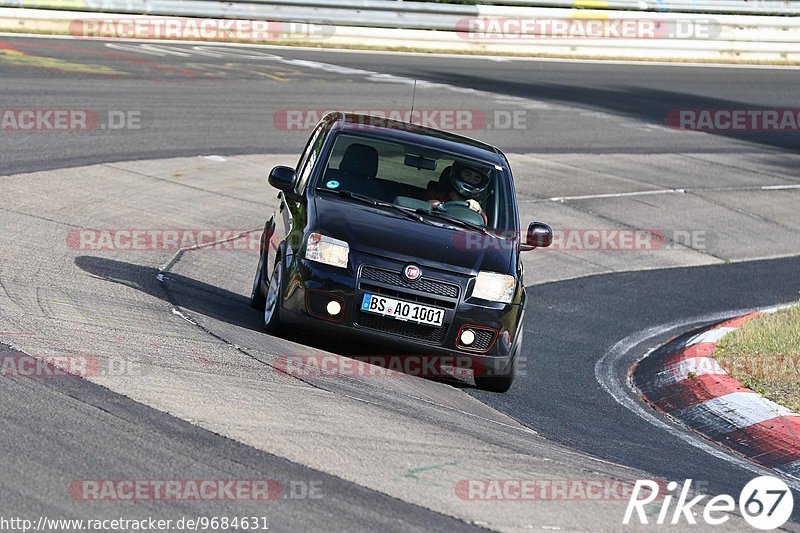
{"x": 414, "y": 133}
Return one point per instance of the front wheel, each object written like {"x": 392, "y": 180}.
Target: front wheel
{"x": 272, "y": 307}
{"x": 499, "y": 383}
{"x": 257, "y": 299}
{"x": 498, "y": 380}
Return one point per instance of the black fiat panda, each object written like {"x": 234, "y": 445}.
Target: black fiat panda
{"x": 401, "y": 234}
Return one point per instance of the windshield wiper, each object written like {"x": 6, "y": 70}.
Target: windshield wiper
{"x": 438, "y": 213}
{"x": 405, "y": 211}
{"x": 347, "y": 194}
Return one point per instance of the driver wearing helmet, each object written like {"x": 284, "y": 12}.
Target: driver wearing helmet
{"x": 468, "y": 184}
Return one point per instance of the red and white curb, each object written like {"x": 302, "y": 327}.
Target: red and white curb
{"x": 690, "y": 386}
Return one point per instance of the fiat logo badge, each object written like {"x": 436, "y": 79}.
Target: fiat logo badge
{"x": 412, "y": 272}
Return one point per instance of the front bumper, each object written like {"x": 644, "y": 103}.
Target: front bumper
{"x": 310, "y": 286}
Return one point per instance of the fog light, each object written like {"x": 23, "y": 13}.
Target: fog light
{"x": 334, "y": 308}
{"x": 467, "y": 337}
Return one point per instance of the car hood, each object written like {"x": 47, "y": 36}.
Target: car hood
{"x": 383, "y": 233}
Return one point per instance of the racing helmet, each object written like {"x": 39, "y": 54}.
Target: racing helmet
{"x": 474, "y": 188}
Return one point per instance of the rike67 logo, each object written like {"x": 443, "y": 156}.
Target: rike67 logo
{"x": 765, "y": 503}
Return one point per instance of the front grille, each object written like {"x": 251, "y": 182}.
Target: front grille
{"x": 438, "y": 288}
{"x": 411, "y": 330}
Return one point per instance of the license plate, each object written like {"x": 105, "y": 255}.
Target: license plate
{"x": 407, "y": 311}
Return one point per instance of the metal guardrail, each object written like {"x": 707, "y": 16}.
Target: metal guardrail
{"x": 741, "y": 7}
{"x": 363, "y": 12}
{"x": 391, "y": 13}
{"x": 441, "y": 27}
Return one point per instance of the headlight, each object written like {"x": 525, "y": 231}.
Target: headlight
{"x": 494, "y": 287}
{"x": 327, "y": 250}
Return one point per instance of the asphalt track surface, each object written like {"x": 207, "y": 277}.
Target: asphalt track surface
{"x": 186, "y": 108}
{"x": 574, "y": 322}
{"x": 67, "y": 427}
{"x": 562, "y": 397}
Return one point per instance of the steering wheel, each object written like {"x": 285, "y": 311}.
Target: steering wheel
{"x": 462, "y": 203}
{"x": 461, "y": 210}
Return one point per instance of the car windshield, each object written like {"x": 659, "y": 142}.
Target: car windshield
{"x": 450, "y": 188}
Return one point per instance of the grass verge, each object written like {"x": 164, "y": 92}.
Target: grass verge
{"x": 764, "y": 355}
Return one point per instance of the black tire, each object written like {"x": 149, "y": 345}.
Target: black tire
{"x": 272, "y": 304}
{"x": 257, "y": 298}
{"x": 501, "y": 381}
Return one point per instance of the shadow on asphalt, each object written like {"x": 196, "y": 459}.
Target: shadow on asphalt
{"x": 220, "y": 304}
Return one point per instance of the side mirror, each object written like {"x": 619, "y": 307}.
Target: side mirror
{"x": 539, "y": 236}
{"x": 282, "y": 178}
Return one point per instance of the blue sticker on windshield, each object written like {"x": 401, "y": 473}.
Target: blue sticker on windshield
{"x": 333, "y": 184}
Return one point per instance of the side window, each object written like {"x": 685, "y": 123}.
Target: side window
{"x": 309, "y": 157}
{"x": 503, "y": 195}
